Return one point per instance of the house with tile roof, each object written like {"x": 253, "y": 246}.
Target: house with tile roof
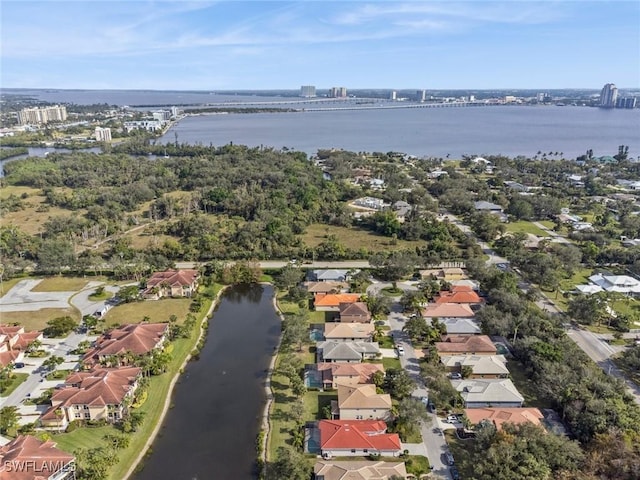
{"x": 358, "y": 470}
{"x": 332, "y": 374}
{"x": 463, "y": 296}
{"x": 466, "y": 345}
{"x": 330, "y": 302}
{"x": 172, "y": 283}
{"x": 133, "y": 338}
{"x": 14, "y": 341}
{"x": 465, "y": 283}
{"x": 354, "y": 312}
{"x": 488, "y": 393}
{"x": 357, "y": 438}
{"x": 484, "y": 366}
{"x": 616, "y": 283}
{"x": 348, "y": 332}
{"x": 99, "y": 394}
{"x": 448, "y": 310}
{"x": 326, "y": 287}
{"x": 461, "y": 326}
{"x": 499, "y": 416}
{"x": 361, "y": 402}
{"x": 346, "y": 352}
{"x": 27, "y": 458}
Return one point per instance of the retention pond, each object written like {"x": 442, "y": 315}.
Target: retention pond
{"x": 210, "y": 432}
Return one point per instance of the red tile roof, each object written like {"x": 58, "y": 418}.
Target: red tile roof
{"x": 98, "y": 388}
{"x": 27, "y": 458}
{"x": 137, "y": 338}
{"x": 358, "y": 434}
{"x": 182, "y": 278}
{"x": 458, "y": 297}
{"x": 499, "y": 416}
{"x": 11, "y": 330}
{"x": 26, "y": 339}
{"x": 7, "y": 357}
{"x": 334, "y": 300}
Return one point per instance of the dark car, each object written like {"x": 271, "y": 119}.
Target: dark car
{"x": 18, "y": 365}
{"x": 455, "y": 475}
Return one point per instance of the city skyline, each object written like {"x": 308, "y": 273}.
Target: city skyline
{"x": 282, "y": 45}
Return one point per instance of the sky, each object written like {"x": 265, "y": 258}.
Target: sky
{"x": 233, "y": 45}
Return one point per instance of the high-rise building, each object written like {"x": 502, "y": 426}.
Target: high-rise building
{"x": 421, "y": 96}
{"x": 626, "y": 102}
{"x": 38, "y": 115}
{"x": 103, "y": 134}
{"x": 393, "y": 95}
{"x": 307, "y": 91}
{"x": 608, "y": 96}
{"x": 338, "y": 92}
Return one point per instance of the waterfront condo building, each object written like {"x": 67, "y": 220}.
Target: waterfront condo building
{"x": 42, "y": 115}
{"x": 338, "y": 92}
{"x": 608, "y": 96}
{"x": 307, "y": 91}
{"x": 103, "y": 134}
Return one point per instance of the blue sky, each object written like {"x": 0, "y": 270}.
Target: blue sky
{"x": 281, "y": 45}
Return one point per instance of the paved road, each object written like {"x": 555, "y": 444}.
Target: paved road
{"x": 593, "y": 345}
{"x": 347, "y": 264}
{"x": 433, "y": 440}
{"x": 554, "y": 235}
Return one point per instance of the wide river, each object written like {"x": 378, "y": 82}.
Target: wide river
{"x": 438, "y": 132}
{"x": 210, "y": 432}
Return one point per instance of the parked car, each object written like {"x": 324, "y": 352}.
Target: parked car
{"x": 18, "y": 365}
{"x": 449, "y": 458}
{"x": 456, "y": 376}
{"x": 400, "y": 350}
{"x": 452, "y": 419}
{"x": 455, "y": 475}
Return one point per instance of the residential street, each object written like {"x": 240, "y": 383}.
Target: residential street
{"x": 434, "y": 441}
{"x": 593, "y": 345}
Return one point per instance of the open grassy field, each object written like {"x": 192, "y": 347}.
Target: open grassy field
{"x": 29, "y": 219}
{"x": 548, "y": 223}
{"x": 391, "y": 363}
{"x": 61, "y": 284}
{"x": 156, "y": 310}
{"x": 353, "y": 238}
{"x": 37, "y": 320}
{"x": 526, "y": 227}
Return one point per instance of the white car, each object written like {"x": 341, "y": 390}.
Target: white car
{"x": 400, "y": 350}
{"x": 452, "y": 419}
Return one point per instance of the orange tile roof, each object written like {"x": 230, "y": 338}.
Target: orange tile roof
{"x": 466, "y": 344}
{"x": 458, "y": 297}
{"x": 137, "y": 338}
{"x": 364, "y": 371}
{"x": 500, "y": 416}
{"x": 11, "y": 330}
{"x": 172, "y": 278}
{"x": 335, "y": 299}
{"x": 7, "y": 357}
{"x": 38, "y": 460}
{"x": 461, "y": 288}
{"x": 358, "y": 434}
{"x": 448, "y": 310}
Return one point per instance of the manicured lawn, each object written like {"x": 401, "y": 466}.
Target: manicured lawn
{"x": 17, "y": 379}
{"x": 580, "y": 277}
{"x": 8, "y": 285}
{"x": 526, "y": 227}
{"x": 103, "y": 296}
{"x": 157, "y": 392}
{"x": 391, "y": 363}
{"x": 156, "y": 310}
{"x": 281, "y": 423}
{"x": 548, "y": 223}
{"x": 354, "y": 238}
{"x": 416, "y": 464}
{"x": 385, "y": 342}
{"x": 61, "y": 284}
{"x": 37, "y": 320}
{"x": 524, "y": 385}
{"x": 315, "y": 401}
